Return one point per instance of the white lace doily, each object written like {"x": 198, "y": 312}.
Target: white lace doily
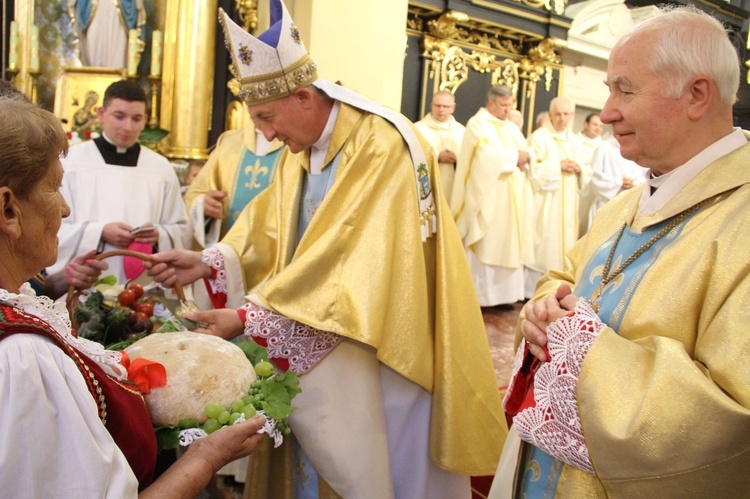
{"x": 554, "y": 424}
{"x": 189, "y": 435}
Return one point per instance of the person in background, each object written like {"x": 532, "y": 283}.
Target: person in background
{"x": 541, "y": 120}
{"x": 444, "y": 134}
{"x": 611, "y": 174}
{"x": 355, "y": 278}
{"x": 493, "y": 202}
{"x": 641, "y": 385}
{"x": 66, "y": 400}
{"x": 121, "y": 195}
{"x": 558, "y": 173}
{"x": 591, "y": 136}
{"x": 240, "y": 167}
{"x": 516, "y": 117}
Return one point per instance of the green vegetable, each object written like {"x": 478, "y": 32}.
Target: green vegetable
{"x": 107, "y": 279}
{"x": 168, "y": 327}
{"x": 122, "y": 345}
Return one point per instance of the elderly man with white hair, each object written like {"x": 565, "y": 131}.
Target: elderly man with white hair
{"x": 632, "y": 376}
{"x": 558, "y": 172}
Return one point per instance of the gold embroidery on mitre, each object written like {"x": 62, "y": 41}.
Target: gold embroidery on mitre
{"x": 270, "y": 86}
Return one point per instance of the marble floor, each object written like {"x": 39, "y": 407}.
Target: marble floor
{"x": 501, "y": 325}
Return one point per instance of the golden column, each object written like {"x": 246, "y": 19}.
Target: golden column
{"x": 188, "y": 77}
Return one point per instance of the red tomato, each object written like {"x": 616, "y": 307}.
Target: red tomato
{"x": 126, "y": 297}
{"x": 139, "y": 322}
{"x": 135, "y": 288}
{"x": 145, "y": 308}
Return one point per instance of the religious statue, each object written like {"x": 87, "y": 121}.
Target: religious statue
{"x": 102, "y": 27}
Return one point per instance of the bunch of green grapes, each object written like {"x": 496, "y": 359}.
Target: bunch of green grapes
{"x": 218, "y": 415}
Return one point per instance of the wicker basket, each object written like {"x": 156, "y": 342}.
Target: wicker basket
{"x": 72, "y": 299}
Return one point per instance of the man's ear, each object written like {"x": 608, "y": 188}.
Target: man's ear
{"x": 100, "y": 113}
{"x": 702, "y": 92}
{"x": 304, "y": 96}
{"x": 10, "y": 213}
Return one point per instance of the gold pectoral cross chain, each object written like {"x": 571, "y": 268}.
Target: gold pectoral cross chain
{"x": 607, "y": 277}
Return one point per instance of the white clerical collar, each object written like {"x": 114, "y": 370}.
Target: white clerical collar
{"x": 261, "y": 144}
{"x": 668, "y": 185}
{"x": 320, "y": 147}
{"x": 430, "y": 121}
{"x": 119, "y": 149}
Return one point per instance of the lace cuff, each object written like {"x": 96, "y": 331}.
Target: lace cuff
{"x": 214, "y": 259}
{"x": 554, "y": 424}
{"x": 298, "y": 344}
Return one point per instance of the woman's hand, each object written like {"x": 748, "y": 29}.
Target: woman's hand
{"x": 83, "y": 271}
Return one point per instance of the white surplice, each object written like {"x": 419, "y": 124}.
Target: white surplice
{"x": 99, "y": 193}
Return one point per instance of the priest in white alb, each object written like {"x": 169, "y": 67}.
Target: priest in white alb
{"x": 492, "y": 201}
{"x": 444, "y": 134}
{"x": 558, "y": 173}
{"x": 121, "y": 195}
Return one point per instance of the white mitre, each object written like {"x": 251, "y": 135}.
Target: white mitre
{"x": 272, "y": 65}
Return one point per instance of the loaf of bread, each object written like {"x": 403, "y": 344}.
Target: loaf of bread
{"x": 201, "y": 369}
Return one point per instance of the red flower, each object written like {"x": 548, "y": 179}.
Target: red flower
{"x": 69, "y": 134}
{"x": 87, "y": 134}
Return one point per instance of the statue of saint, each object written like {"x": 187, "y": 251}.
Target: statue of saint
{"x": 102, "y": 27}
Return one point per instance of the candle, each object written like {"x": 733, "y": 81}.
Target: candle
{"x": 13, "y": 52}
{"x": 156, "y": 42}
{"x": 132, "y": 51}
{"x": 34, "y": 43}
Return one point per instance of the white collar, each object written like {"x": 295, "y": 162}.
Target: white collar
{"x": 319, "y": 149}
{"x": 669, "y": 184}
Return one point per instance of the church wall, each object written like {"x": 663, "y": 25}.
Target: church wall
{"x": 362, "y": 44}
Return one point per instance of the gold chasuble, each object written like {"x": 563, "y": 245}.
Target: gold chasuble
{"x": 664, "y": 391}
{"x": 362, "y": 271}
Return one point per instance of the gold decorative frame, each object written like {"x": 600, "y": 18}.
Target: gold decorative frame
{"x": 73, "y": 86}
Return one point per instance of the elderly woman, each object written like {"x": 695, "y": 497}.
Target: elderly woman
{"x": 72, "y": 424}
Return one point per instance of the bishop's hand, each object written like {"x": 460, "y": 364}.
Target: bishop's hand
{"x": 174, "y": 265}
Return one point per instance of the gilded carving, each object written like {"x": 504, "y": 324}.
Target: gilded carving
{"x": 538, "y": 62}
{"x": 449, "y": 65}
{"x": 248, "y": 13}
{"x": 445, "y": 25}
{"x": 556, "y": 6}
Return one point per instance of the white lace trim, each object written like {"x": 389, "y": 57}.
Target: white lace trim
{"x": 190, "y": 435}
{"x": 303, "y": 346}
{"x": 554, "y": 425}
{"x": 214, "y": 259}
{"x": 56, "y": 315}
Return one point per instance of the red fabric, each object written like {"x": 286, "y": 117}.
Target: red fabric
{"x": 122, "y": 408}
{"x": 521, "y": 394}
{"x": 132, "y": 266}
{"x": 147, "y": 374}
{"x": 280, "y": 362}
{"x": 218, "y": 300}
